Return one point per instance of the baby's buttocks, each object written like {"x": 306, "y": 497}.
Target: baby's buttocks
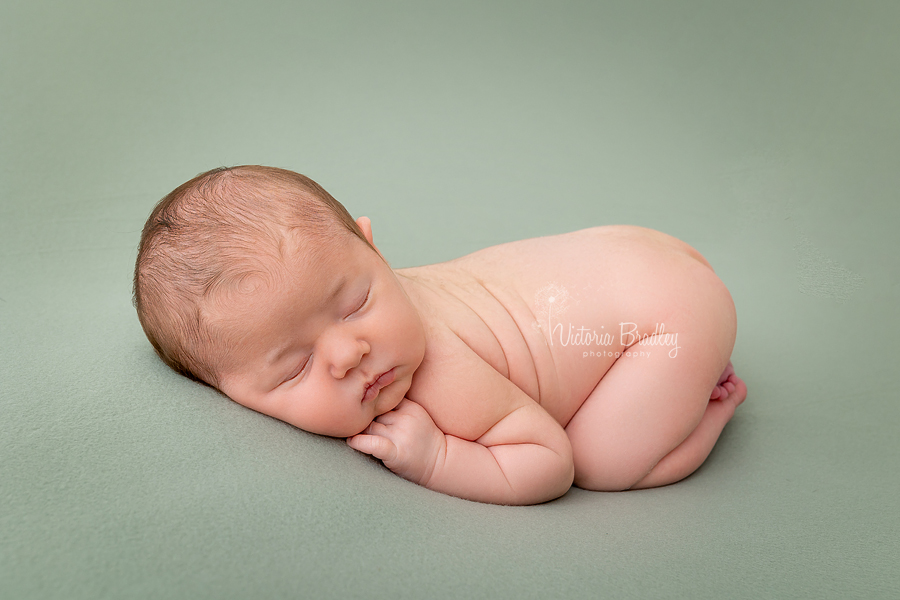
{"x": 553, "y": 314}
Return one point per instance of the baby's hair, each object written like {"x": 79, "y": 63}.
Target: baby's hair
{"x": 217, "y": 234}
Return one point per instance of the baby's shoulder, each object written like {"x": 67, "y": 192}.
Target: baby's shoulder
{"x": 463, "y": 393}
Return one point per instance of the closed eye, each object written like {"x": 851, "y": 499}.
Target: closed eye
{"x": 298, "y": 371}
{"x": 361, "y": 304}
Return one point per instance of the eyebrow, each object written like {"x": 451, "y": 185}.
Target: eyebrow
{"x": 327, "y": 300}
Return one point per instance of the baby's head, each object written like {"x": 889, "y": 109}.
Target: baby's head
{"x": 255, "y": 281}
{"x": 215, "y": 237}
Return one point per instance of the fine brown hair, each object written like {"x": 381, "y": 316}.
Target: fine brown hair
{"x": 209, "y": 236}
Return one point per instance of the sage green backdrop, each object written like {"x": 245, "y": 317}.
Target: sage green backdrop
{"x": 765, "y": 134}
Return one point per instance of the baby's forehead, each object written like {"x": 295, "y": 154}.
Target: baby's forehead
{"x": 307, "y": 270}
{"x": 248, "y": 317}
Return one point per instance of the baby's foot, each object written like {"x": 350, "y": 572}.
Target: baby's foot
{"x": 729, "y": 384}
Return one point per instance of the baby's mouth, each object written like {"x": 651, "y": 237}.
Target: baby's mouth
{"x": 383, "y": 380}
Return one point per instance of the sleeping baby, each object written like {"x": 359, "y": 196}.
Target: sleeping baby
{"x": 599, "y": 357}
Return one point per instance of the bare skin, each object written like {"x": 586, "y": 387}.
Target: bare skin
{"x": 599, "y": 357}
{"x": 632, "y": 421}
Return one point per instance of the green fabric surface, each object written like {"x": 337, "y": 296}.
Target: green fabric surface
{"x": 765, "y": 134}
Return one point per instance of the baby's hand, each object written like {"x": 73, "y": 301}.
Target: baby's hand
{"x": 406, "y": 440}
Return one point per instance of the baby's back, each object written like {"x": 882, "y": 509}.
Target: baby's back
{"x": 553, "y": 313}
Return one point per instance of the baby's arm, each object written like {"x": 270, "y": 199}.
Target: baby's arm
{"x": 507, "y": 449}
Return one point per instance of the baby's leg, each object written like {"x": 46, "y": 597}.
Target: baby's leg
{"x": 647, "y": 405}
{"x": 650, "y": 421}
{"x": 690, "y": 454}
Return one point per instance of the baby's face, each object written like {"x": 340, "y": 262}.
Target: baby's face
{"x": 332, "y": 348}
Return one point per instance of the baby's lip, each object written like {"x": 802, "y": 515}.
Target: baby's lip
{"x": 372, "y": 389}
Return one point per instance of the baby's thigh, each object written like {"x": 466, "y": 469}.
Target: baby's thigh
{"x": 652, "y": 398}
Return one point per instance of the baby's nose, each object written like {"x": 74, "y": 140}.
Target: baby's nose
{"x": 346, "y": 356}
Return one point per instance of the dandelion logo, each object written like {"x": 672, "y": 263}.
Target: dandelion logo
{"x": 551, "y": 300}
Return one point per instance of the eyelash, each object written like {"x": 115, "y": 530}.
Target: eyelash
{"x": 300, "y": 372}
{"x": 359, "y": 308}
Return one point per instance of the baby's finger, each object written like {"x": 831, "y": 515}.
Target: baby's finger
{"x": 388, "y": 418}
{"x": 407, "y": 406}
{"x": 376, "y": 428}
{"x": 379, "y": 447}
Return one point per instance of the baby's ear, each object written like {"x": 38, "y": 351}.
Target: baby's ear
{"x": 366, "y": 225}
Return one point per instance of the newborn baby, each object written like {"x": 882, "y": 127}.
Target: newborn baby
{"x": 599, "y": 356}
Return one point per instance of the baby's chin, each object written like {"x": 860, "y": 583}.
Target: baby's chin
{"x": 389, "y": 398}
{"x": 382, "y": 404}
{"x": 356, "y": 430}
